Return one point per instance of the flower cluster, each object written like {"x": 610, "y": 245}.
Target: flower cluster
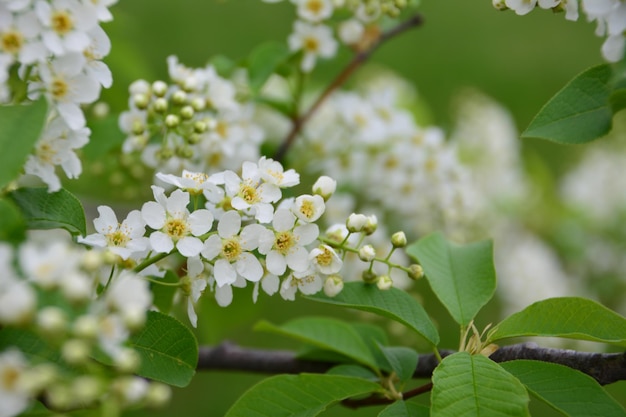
{"x": 55, "y": 48}
{"x": 313, "y": 30}
{"x": 58, "y": 295}
{"x": 196, "y": 122}
{"x": 610, "y": 16}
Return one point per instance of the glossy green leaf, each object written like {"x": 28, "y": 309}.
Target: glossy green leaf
{"x": 44, "y": 210}
{"x": 354, "y": 371}
{"x": 570, "y": 317}
{"x": 402, "y": 360}
{"x": 571, "y": 392}
{"x": 405, "y": 409}
{"x": 21, "y": 127}
{"x": 579, "y": 113}
{"x": 303, "y": 395}
{"x": 618, "y": 86}
{"x": 12, "y": 223}
{"x": 462, "y": 276}
{"x": 395, "y": 304}
{"x": 168, "y": 350}
{"x": 263, "y": 62}
{"x": 36, "y": 349}
{"x": 472, "y": 385}
{"x": 326, "y": 333}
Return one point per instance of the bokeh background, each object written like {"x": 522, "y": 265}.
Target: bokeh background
{"x": 519, "y": 61}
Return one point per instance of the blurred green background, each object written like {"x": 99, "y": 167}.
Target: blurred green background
{"x": 519, "y": 61}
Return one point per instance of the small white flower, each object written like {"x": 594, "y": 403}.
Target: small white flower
{"x": 272, "y": 171}
{"x": 18, "y": 301}
{"x": 314, "y": 10}
{"x": 351, "y": 31}
{"x": 307, "y": 282}
{"x": 122, "y": 239}
{"x": 13, "y": 399}
{"x": 522, "y": 7}
{"x": 194, "y": 183}
{"x": 325, "y": 186}
{"x": 173, "y": 224}
{"x": 250, "y": 193}
{"x": 314, "y": 40}
{"x": 233, "y": 245}
{"x": 308, "y": 208}
{"x": 356, "y": 222}
{"x": 325, "y": 259}
{"x": 66, "y": 25}
{"x": 195, "y": 269}
{"x": 333, "y": 285}
{"x": 130, "y": 295}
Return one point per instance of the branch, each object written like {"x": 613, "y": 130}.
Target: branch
{"x": 605, "y": 368}
{"x": 358, "y": 60}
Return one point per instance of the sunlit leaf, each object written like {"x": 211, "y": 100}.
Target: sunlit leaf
{"x": 405, "y": 409}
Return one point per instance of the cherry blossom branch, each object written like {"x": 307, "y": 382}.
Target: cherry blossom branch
{"x": 359, "y": 59}
{"x": 605, "y": 368}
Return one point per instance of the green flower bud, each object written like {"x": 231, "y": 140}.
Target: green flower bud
{"x": 416, "y": 271}
{"x": 187, "y": 112}
{"x": 369, "y": 277}
{"x": 172, "y": 121}
{"x": 398, "y": 240}
{"x": 384, "y": 282}
{"x": 160, "y": 105}
{"x": 179, "y": 98}
{"x": 367, "y": 253}
{"x": 159, "y": 88}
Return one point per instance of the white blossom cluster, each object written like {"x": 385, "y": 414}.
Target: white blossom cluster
{"x": 55, "y": 48}
{"x": 196, "y": 122}
{"x": 59, "y": 295}
{"x": 610, "y": 16}
{"x": 313, "y": 29}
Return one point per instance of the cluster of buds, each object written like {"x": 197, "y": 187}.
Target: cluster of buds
{"x": 194, "y": 122}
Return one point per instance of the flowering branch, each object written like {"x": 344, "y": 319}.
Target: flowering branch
{"x": 359, "y": 59}
{"x": 605, "y": 368}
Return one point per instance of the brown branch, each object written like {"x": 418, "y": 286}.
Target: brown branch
{"x": 605, "y": 368}
{"x": 358, "y": 60}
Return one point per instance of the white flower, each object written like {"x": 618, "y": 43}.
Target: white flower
{"x": 122, "y": 239}
{"x": 250, "y": 193}
{"x": 99, "y": 47}
{"x": 314, "y": 10}
{"x": 130, "y": 295}
{"x": 13, "y": 399}
{"x": 325, "y": 186}
{"x": 314, "y": 41}
{"x": 272, "y": 171}
{"x": 351, "y": 31}
{"x": 286, "y": 246}
{"x": 522, "y": 7}
{"x": 66, "y": 25}
{"x": 18, "y": 301}
{"x": 49, "y": 264}
{"x": 308, "y": 208}
{"x": 333, "y": 285}
{"x": 194, "y": 183}
{"x": 173, "y": 224}
{"x": 325, "y": 259}
{"x": 233, "y": 245}
{"x": 198, "y": 284}
{"x": 307, "y": 282}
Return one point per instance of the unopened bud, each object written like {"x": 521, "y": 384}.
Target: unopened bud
{"x": 141, "y": 101}
{"x": 198, "y": 104}
{"x": 160, "y": 105}
{"x": 499, "y": 4}
{"x": 76, "y": 351}
{"x": 127, "y": 360}
{"x": 52, "y": 320}
{"x": 200, "y": 127}
{"x": 325, "y": 187}
{"x": 172, "y": 121}
{"x": 159, "y": 88}
{"x": 416, "y": 271}
{"x": 158, "y": 394}
{"x": 86, "y": 327}
{"x": 398, "y": 240}
{"x": 187, "y": 112}
{"x": 179, "y": 98}
{"x": 384, "y": 282}
{"x": 367, "y": 253}
{"x": 356, "y": 222}
{"x": 370, "y": 225}
{"x": 369, "y": 276}
{"x": 333, "y": 285}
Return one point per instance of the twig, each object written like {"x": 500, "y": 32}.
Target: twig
{"x": 358, "y": 60}
{"x": 605, "y": 368}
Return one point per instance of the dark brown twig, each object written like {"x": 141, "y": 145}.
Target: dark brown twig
{"x": 358, "y": 60}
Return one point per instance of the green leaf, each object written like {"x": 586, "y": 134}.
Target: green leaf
{"x": 30, "y": 344}
{"x": 579, "y": 113}
{"x": 105, "y": 135}
{"x": 223, "y": 65}
{"x": 302, "y": 395}
{"x": 402, "y": 360}
{"x": 572, "y": 392}
{"x": 12, "y": 224}
{"x": 326, "y": 333}
{"x": 405, "y": 409}
{"x": 44, "y": 210}
{"x": 21, "y": 127}
{"x": 570, "y": 317}
{"x": 168, "y": 350}
{"x": 618, "y": 86}
{"x": 472, "y": 385}
{"x": 163, "y": 295}
{"x": 356, "y": 371}
{"x": 263, "y": 62}
{"x": 462, "y": 276}
{"x": 393, "y": 303}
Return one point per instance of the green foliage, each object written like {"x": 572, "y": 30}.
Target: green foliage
{"x": 326, "y": 333}
{"x": 402, "y": 361}
{"x": 570, "y": 317}
{"x": 264, "y": 61}
{"x": 462, "y": 276}
{"x": 393, "y": 303}
{"x": 30, "y": 344}
{"x": 301, "y": 395}
{"x": 567, "y": 390}
{"x": 21, "y": 127}
{"x": 472, "y": 385}
{"x": 163, "y": 295}
{"x": 578, "y": 113}
{"x": 44, "y": 210}
{"x": 12, "y": 223}
{"x": 168, "y": 350}
{"x": 405, "y": 409}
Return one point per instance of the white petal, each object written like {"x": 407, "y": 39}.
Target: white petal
{"x": 189, "y": 246}
{"x": 229, "y": 224}
{"x": 153, "y": 214}
{"x": 224, "y": 295}
{"x": 298, "y": 260}
{"x": 107, "y": 222}
{"x": 212, "y": 247}
{"x": 225, "y": 273}
{"x": 249, "y": 267}
{"x": 161, "y": 242}
{"x": 200, "y": 222}
{"x": 275, "y": 263}
{"x": 283, "y": 220}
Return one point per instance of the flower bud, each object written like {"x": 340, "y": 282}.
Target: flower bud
{"x": 141, "y": 101}
{"x": 179, "y": 98}
{"x": 159, "y": 88}
{"x": 187, "y": 112}
{"x": 356, "y": 222}
{"x": 333, "y": 285}
{"x": 370, "y": 225}
{"x": 172, "y": 121}
{"x": 198, "y": 104}
{"x": 367, "y": 253}
{"x": 52, "y": 320}
{"x": 86, "y": 388}
{"x": 76, "y": 351}
{"x": 325, "y": 187}
{"x": 160, "y": 105}
{"x": 384, "y": 282}
{"x": 398, "y": 240}
{"x": 499, "y": 4}
{"x": 200, "y": 126}
{"x": 416, "y": 271}
{"x": 139, "y": 87}
{"x": 127, "y": 360}
{"x": 369, "y": 276}
{"x": 86, "y": 327}
{"x": 158, "y": 394}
